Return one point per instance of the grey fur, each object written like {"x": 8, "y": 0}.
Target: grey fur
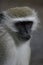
{"x": 14, "y": 51}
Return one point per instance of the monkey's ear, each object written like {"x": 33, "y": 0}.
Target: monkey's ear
{"x": 1, "y": 17}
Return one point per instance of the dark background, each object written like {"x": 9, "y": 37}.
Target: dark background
{"x": 37, "y": 40}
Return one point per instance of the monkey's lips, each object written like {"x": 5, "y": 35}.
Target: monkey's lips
{"x": 25, "y": 37}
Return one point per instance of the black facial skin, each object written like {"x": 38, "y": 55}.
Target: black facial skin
{"x": 1, "y": 17}
{"x": 24, "y": 29}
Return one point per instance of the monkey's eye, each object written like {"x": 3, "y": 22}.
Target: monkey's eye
{"x": 24, "y": 26}
{"x": 1, "y": 17}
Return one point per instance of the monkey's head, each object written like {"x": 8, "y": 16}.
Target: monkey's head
{"x": 22, "y": 20}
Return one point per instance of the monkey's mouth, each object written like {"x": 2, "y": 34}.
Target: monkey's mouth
{"x": 24, "y": 37}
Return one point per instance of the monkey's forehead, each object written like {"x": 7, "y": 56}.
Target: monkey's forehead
{"x": 20, "y": 12}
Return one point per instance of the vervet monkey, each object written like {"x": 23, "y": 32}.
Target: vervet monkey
{"x": 16, "y": 27}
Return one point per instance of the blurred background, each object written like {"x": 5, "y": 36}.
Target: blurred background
{"x": 37, "y": 40}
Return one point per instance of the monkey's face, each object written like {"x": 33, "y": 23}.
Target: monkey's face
{"x": 24, "y": 29}
{"x": 22, "y": 25}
